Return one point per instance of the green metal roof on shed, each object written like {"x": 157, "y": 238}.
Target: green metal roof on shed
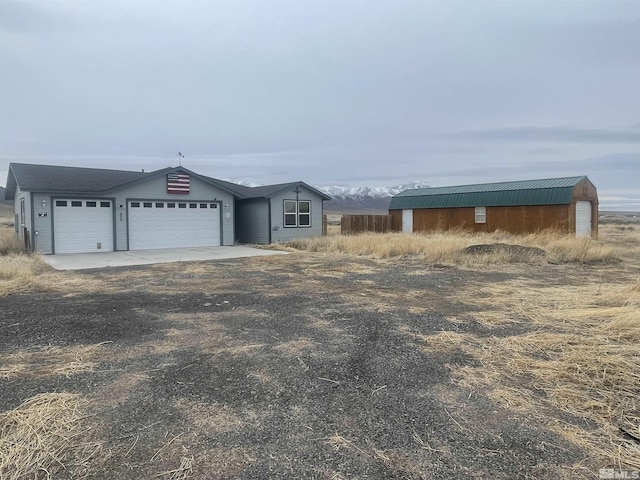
{"x": 550, "y": 191}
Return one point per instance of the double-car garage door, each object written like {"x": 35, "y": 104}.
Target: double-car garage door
{"x": 173, "y": 224}
{"x": 87, "y": 225}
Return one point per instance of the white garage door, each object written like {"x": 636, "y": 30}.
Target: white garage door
{"x": 583, "y": 219}
{"x": 83, "y": 225}
{"x": 173, "y": 225}
{"x": 407, "y": 221}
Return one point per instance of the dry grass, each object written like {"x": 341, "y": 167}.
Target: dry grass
{"x": 17, "y": 268}
{"x": 20, "y": 272}
{"x": 24, "y": 273}
{"x": 50, "y": 361}
{"x": 45, "y": 435}
{"x": 581, "y": 350}
{"x": 448, "y": 247}
{"x": 209, "y": 418}
{"x": 9, "y": 242}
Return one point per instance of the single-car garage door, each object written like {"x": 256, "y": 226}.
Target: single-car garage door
{"x": 165, "y": 224}
{"x": 82, "y": 225}
{"x": 583, "y": 219}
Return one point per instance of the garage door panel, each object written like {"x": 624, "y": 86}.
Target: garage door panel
{"x": 83, "y": 225}
{"x": 155, "y": 225}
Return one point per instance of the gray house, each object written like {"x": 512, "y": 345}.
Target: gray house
{"x": 73, "y": 210}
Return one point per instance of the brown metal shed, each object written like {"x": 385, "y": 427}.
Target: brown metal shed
{"x": 568, "y": 205}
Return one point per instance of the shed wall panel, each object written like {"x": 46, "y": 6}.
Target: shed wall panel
{"x": 516, "y": 219}
{"x": 396, "y": 220}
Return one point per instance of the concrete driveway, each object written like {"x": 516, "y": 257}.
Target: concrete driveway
{"x": 82, "y": 261}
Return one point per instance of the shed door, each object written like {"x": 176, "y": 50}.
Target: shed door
{"x": 407, "y": 221}
{"x": 583, "y": 219}
{"x": 162, "y": 224}
{"x": 82, "y": 225}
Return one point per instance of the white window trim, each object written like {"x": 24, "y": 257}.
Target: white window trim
{"x": 296, "y": 213}
{"x": 481, "y": 214}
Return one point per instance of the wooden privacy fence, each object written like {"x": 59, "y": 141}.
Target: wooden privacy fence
{"x": 351, "y": 224}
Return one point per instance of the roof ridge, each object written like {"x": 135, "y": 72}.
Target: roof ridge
{"x": 477, "y": 186}
{"x": 80, "y": 168}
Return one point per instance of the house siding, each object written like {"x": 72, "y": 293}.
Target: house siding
{"x": 156, "y": 189}
{"x": 26, "y": 221}
{"x": 252, "y": 221}
{"x": 279, "y": 233}
{"x": 43, "y": 224}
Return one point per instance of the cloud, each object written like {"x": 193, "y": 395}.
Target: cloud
{"x": 552, "y": 134}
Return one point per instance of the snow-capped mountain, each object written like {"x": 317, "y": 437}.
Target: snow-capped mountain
{"x": 355, "y": 199}
{"x": 374, "y": 192}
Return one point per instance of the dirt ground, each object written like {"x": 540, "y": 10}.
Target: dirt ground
{"x": 296, "y": 366}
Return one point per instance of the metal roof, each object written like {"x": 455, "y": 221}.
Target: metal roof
{"x": 550, "y": 191}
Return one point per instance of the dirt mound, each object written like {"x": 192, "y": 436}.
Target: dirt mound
{"x": 516, "y": 251}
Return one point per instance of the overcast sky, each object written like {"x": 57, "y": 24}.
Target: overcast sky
{"x": 340, "y": 92}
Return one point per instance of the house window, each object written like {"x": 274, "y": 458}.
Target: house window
{"x": 76, "y": 203}
{"x": 304, "y": 213}
{"x": 105, "y": 204}
{"x": 297, "y": 213}
{"x": 22, "y": 213}
{"x": 59, "y": 203}
{"x": 147, "y": 204}
{"x": 159, "y": 204}
{"x": 92, "y": 204}
{"x": 171, "y": 205}
{"x": 135, "y": 204}
{"x": 481, "y": 214}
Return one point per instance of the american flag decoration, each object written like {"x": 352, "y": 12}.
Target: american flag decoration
{"x": 178, "y": 182}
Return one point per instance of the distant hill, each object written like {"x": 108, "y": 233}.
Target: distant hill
{"x": 364, "y": 199}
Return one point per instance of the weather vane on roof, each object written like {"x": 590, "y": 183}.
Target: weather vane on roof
{"x": 180, "y": 157}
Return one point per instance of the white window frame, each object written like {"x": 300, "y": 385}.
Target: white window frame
{"x": 296, "y": 215}
{"x": 481, "y": 214}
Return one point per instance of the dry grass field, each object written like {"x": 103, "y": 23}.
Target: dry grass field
{"x": 371, "y": 356}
